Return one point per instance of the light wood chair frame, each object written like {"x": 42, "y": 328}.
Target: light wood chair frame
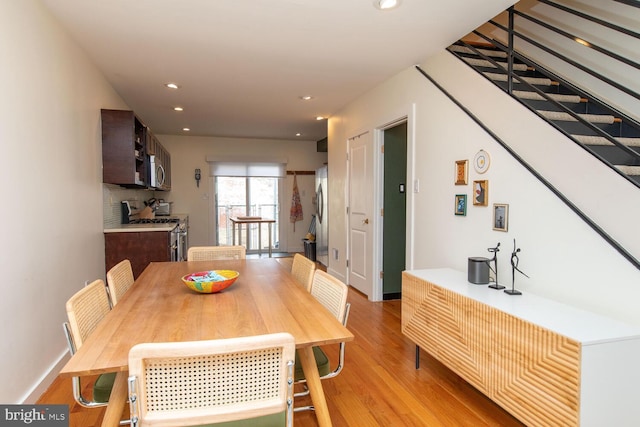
{"x": 85, "y": 309}
{"x": 332, "y": 294}
{"x": 303, "y": 270}
{"x": 119, "y": 280}
{"x": 212, "y": 253}
{"x": 234, "y": 379}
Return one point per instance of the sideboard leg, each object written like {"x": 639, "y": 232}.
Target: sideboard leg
{"x": 417, "y": 356}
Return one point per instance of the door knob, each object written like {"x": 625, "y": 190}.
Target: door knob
{"x": 365, "y": 221}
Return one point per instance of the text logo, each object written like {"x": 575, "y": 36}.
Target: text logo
{"x": 34, "y": 415}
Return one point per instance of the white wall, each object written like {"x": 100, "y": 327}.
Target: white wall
{"x": 189, "y": 153}
{"x": 565, "y": 259}
{"x": 51, "y": 192}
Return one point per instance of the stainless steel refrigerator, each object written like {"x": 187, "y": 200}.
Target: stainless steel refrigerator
{"x": 322, "y": 217}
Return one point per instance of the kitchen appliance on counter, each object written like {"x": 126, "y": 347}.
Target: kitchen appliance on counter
{"x": 159, "y": 206}
{"x": 163, "y": 208}
{"x": 125, "y": 212}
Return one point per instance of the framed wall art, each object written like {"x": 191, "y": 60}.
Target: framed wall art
{"x": 480, "y": 193}
{"x": 462, "y": 172}
{"x": 500, "y": 217}
{"x": 461, "y": 204}
{"x": 481, "y": 161}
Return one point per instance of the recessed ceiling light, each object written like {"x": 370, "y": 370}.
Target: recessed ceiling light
{"x": 172, "y": 85}
{"x": 178, "y": 109}
{"x": 583, "y": 42}
{"x": 186, "y": 129}
{"x": 319, "y": 118}
{"x": 386, "y": 4}
{"x": 306, "y": 97}
{"x": 298, "y": 134}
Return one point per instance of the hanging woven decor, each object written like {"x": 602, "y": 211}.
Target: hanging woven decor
{"x": 296, "y": 207}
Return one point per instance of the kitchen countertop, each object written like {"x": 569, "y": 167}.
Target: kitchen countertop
{"x": 136, "y": 228}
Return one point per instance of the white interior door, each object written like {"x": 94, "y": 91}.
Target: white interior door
{"x": 361, "y": 218}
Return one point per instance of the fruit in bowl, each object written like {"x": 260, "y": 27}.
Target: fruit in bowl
{"x": 209, "y": 282}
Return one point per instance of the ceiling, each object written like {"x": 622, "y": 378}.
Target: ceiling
{"x": 242, "y": 65}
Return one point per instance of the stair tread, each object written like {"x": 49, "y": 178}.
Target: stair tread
{"x": 523, "y": 94}
{"x": 628, "y": 170}
{"x": 566, "y": 117}
{"x": 538, "y": 81}
{"x": 600, "y": 140}
{"x": 487, "y": 52}
{"x": 488, "y": 64}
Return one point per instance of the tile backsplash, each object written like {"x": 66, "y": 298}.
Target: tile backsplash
{"x": 112, "y": 195}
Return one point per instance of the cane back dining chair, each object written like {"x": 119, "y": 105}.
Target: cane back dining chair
{"x": 85, "y": 309}
{"x": 332, "y": 294}
{"x": 302, "y": 270}
{"x": 211, "y": 253}
{"x": 119, "y": 280}
{"x": 247, "y": 381}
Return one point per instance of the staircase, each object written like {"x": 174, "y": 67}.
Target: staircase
{"x": 607, "y": 134}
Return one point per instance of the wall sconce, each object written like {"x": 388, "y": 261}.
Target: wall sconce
{"x": 198, "y": 176}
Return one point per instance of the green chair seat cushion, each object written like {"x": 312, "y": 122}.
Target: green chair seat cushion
{"x": 102, "y": 390}
{"x": 273, "y": 420}
{"x": 102, "y": 387}
{"x": 322, "y": 362}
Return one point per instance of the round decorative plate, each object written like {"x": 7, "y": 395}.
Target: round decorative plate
{"x": 481, "y": 161}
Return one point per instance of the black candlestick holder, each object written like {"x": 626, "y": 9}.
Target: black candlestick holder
{"x": 495, "y": 251}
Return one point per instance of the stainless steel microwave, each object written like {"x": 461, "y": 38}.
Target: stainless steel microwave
{"x": 157, "y": 172}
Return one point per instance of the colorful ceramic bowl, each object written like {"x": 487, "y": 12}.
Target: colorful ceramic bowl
{"x": 209, "y": 282}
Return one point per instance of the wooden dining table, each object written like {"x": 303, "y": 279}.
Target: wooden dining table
{"x": 160, "y": 308}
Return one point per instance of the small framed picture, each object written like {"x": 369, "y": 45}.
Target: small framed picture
{"x": 462, "y": 168}
{"x": 500, "y": 217}
{"x": 481, "y": 193}
{"x": 461, "y": 204}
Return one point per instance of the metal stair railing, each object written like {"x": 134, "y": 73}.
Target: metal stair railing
{"x": 559, "y": 105}
{"x": 508, "y": 49}
{"x": 617, "y": 246}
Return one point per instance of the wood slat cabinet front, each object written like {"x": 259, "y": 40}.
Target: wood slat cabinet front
{"x": 546, "y": 363}
{"x": 140, "y": 248}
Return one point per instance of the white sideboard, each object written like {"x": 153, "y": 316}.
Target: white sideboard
{"x": 546, "y": 363}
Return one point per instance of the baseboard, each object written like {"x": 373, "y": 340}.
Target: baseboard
{"x": 46, "y": 380}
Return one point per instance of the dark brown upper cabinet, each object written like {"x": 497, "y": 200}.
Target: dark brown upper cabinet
{"x": 127, "y": 149}
{"x": 124, "y": 157}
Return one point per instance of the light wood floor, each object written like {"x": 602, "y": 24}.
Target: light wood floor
{"x": 379, "y": 385}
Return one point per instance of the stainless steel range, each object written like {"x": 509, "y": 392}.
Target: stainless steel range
{"x": 163, "y": 220}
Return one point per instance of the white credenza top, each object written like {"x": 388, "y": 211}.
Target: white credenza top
{"x": 580, "y": 325}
